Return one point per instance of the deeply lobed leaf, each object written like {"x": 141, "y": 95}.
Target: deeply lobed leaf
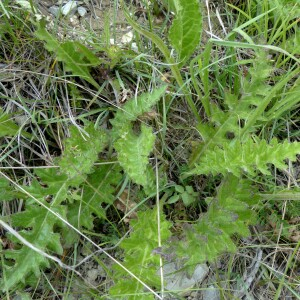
{"x": 133, "y": 152}
{"x": 54, "y": 187}
{"x": 39, "y": 225}
{"x": 81, "y": 152}
{"x": 139, "y": 258}
{"x": 98, "y": 190}
{"x": 134, "y": 148}
{"x": 229, "y": 213}
{"x": 237, "y": 157}
{"x": 135, "y": 108}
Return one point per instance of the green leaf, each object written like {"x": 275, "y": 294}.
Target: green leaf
{"x": 8, "y": 127}
{"x": 228, "y": 214}
{"x": 173, "y": 199}
{"x": 38, "y": 223}
{"x": 185, "y": 32}
{"x": 237, "y": 157}
{"x": 134, "y": 108}
{"x": 81, "y": 152}
{"x": 229, "y": 119}
{"x": 133, "y": 152}
{"x": 167, "y": 54}
{"x": 99, "y": 189}
{"x": 187, "y": 199}
{"x": 38, "y": 226}
{"x": 7, "y": 193}
{"x": 77, "y": 57}
{"x": 134, "y": 148}
{"x": 179, "y": 188}
{"x": 139, "y": 256}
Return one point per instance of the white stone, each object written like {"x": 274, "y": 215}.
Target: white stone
{"x": 54, "y": 10}
{"x": 127, "y": 38}
{"x": 211, "y": 293}
{"x": 134, "y": 47}
{"x": 81, "y": 11}
{"x": 178, "y": 280}
{"x": 68, "y": 7}
{"x": 92, "y": 275}
{"x": 25, "y": 4}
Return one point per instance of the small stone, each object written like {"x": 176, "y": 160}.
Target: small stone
{"x": 54, "y": 10}
{"x": 69, "y": 7}
{"x": 127, "y": 38}
{"x": 211, "y": 293}
{"x": 134, "y": 47}
{"x": 81, "y": 11}
{"x": 24, "y": 3}
{"x": 92, "y": 275}
{"x": 179, "y": 280}
{"x": 74, "y": 21}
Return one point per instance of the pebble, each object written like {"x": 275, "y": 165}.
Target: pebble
{"x": 179, "y": 280}
{"x": 127, "y": 38}
{"x": 211, "y": 293}
{"x": 92, "y": 275}
{"x": 81, "y": 11}
{"x": 69, "y": 7}
{"x": 54, "y": 10}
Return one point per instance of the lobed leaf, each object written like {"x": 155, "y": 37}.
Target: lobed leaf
{"x": 135, "y": 108}
{"x": 228, "y": 214}
{"x": 139, "y": 257}
{"x": 99, "y": 189}
{"x": 250, "y": 156}
{"x": 230, "y": 121}
{"x": 133, "y": 152}
{"x": 81, "y": 152}
{"x": 133, "y": 149}
{"x": 38, "y": 224}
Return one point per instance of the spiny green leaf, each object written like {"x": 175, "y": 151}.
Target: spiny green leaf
{"x": 133, "y": 152}
{"x": 77, "y": 57}
{"x": 38, "y": 224}
{"x": 185, "y": 32}
{"x": 139, "y": 258}
{"x": 54, "y": 184}
{"x": 134, "y": 149}
{"x": 81, "y": 152}
{"x": 229, "y": 123}
{"x": 135, "y": 108}
{"x": 229, "y": 213}
{"x": 99, "y": 189}
{"x": 237, "y": 157}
